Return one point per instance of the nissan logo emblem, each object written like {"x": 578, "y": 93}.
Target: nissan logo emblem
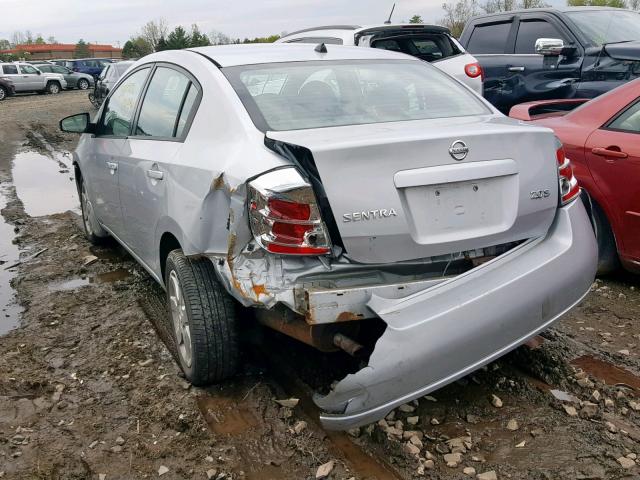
{"x": 458, "y": 150}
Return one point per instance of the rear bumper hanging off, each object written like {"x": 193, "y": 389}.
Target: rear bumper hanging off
{"x": 439, "y": 334}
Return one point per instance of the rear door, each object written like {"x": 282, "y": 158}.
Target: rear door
{"x": 613, "y": 154}
{"x": 12, "y": 73}
{"x": 489, "y": 42}
{"x": 536, "y": 77}
{"x": 151, "y": 155}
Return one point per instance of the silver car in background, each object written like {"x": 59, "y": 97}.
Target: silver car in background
{"x": 27, "y": 78}
{"x": 335, "y": 190}
{"x": 431, "y": 43}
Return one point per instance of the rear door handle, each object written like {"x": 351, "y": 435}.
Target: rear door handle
{"x": 606, "y": 152}
{"x": 113, "y": 166}
{"x": 516, "y": 69}
{"x": 155, "y": 174}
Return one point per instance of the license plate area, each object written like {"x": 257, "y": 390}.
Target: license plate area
{"x": 454, "y": 211}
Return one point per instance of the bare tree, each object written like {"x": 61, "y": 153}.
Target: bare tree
{"x": 494, "y": 6}
{"x": 154, "y": 30}
{"x": 219, "y": 38}
{"x": 458, "y": 14}
{"x": 18, "y": 38}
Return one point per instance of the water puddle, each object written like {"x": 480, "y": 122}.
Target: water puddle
{"x": 45, "y": 185}
{"x": 99, "y": 278}
{"x": 9, "y": 254}
{"x": 607, "y": 372}
{"x": 227, "y": 416}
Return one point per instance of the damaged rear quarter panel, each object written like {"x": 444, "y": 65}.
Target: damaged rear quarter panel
{"x": 206, "y": 195}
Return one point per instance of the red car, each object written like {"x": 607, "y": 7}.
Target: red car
{"x": 602, "y": 139}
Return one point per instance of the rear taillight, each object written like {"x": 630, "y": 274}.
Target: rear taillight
{"x": 284, "y": 214}
{"x": 473, "y": 70}
{"x": 569, "y": 188}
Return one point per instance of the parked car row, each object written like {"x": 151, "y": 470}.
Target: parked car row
{"x": 243, "y": 175}
{"x": 39, "y": 77}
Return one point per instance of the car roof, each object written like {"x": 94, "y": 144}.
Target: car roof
{"x": 233, "y": 55}
{"x": 548, "y": 10}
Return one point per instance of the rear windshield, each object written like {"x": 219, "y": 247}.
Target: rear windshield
{"x": 428, "y": 47}
{"x": 300, "y": 95}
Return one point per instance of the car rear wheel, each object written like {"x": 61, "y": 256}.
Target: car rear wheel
{"x": 53, "y": 88}
{"x": 83, "y": 84}
{"x": 3, "y": 93}
{"x": 203, "y": 320}
{"x": 92, "y": 229}
{"x": 608, "y": 261}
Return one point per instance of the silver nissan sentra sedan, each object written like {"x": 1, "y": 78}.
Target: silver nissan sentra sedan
{"x": 336, "y": 190}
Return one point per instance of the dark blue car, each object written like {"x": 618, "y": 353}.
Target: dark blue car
{"x": 91, "y": 66}
{"x": 549, "y": 53}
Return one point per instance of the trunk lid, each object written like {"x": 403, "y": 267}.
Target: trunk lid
{"x": 397, "y": 193}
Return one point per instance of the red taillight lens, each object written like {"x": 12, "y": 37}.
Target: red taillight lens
{"x": 473, "y": 70}
{"x": 291, "y": 210}
{"x": 284, "y": 214}
{"x": 569, "y": 188}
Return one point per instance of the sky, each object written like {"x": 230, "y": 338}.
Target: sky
{"x": 113, "y": 21}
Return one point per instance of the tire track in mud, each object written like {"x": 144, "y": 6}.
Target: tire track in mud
{"x": 231, "y": 411}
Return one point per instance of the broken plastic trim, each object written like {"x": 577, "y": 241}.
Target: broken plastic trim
{"x": 302, "y": 158}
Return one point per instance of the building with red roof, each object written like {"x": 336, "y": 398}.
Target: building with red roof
{"x": 49, "y": 51}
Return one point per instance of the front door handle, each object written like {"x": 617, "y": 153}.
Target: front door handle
{"x": 516, "y": 69}
{"x": 155, "y": 174}
{"x": 113, "y": 166}
{"x": 607, "y": 152}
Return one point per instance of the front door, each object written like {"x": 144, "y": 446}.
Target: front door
{"x": 34, "y": 79}
{"x": 110, "y": 145}
{"x": 613, "y": 153}
{"x": 536, "y": 77}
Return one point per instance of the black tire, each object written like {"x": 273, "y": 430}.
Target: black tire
{"x": 92, "y": 229}
{"x": 53, "y": 88}
{"x": 3, "y": 93}
{"x": 83, "y": 84}
{"x": 211, "y": 316}
{"x": 608, "y": 260}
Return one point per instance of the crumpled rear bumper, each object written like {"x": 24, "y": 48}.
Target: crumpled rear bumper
{"x": 442, "y": 333}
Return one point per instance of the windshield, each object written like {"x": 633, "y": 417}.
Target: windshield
{"x": 607, "y": 26}
{"x": 299, "y": 95}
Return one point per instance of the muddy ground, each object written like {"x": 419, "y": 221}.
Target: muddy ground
{"x": 89, "y": 391}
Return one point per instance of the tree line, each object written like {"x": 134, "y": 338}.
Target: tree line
{"x": 155, "y": 36}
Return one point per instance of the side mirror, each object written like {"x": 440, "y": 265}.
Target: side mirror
{"x": 78, "y": 123}
{"x": 38, "y": 72}
{"x": 549, "y": 47}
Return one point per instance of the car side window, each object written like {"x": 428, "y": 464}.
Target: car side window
{"x": 28, "y": 69}
{"x": 490, "y": 38}
{"x": 10, "y": 70}
{"x": 45, "y": 68}
{"x": 162, "y": 103}
{"x": 531, "y": 30}
{"x": 58, "y": 69}
{"x": 629, "y": 121}
{"x": 121, "y": 105}
{"x": 187, "y": 108}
